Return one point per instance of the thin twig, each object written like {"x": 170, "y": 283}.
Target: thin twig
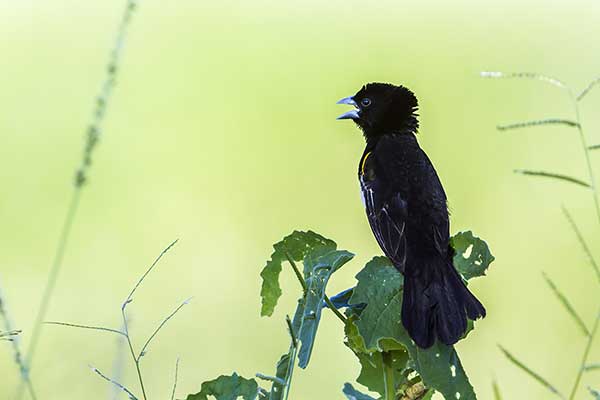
{"x": 585, "y": 356}
{"x": 553, "y": 175}
{"x": 96, "y": 328}
{"x": 586, "y": 152}
{"x": 128, "y": 300}
{"x": 16, "y": 346}
{"x": 117, "y": 384}
{"x": 130, "y": 297}
{"x": 175, "y": 380}
{"x": 567, "y": 304}
{"x": 582, "y": 242}
{"x": 531, "y": 373}
{"x": 143, "y": 351}
{"x": 589, "y": 87}
{"x": 524, "y": 75}
{"x": 332, "y": 307}
{"x": 297, "y": 272}
{"x": 528, "y": 124}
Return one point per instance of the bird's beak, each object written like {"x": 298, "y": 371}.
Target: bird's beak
{"x": 352, "y": 114}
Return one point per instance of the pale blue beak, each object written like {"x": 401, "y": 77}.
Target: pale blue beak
{"x": 352, "y": 114}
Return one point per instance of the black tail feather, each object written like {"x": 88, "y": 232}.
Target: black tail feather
{"x": 437, "y": 303}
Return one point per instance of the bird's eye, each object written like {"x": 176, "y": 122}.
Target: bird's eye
{"x": 366, "y": 102}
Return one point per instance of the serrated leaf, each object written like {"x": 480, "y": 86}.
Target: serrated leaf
{"x": 227, "y": 388}
{"x": 371, "y": 372}
{"x": 353, "y": 394}
{"x": 379, "y": 285}
{"x": 318, "y": 270}
{"x": 296, "y": 246}
{"x": 472, "y": 255}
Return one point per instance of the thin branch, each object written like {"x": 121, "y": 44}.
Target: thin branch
{"x": 333, "y": 308}
{"x": 143, "y": 351}
{"x": 565, "y": 302}
{"x": 527, "y": 124}
{"x": 175, "y": 380}
{"x": 594, "y": 147}
{"x": 585, "y": 356}
{"x": 524, "y": 75}
{"x": 130, "y": 297}
{"x": 532, "y": 374}
{"x": 132, "y": 351}
{"x": 96, "y": 328}
{"x": 117, "y": 384}
{"x": 297, "y": 272}
{"x": 584, "y": 148}
{"x": 552, "y": 175}
{"x": 589, "y": 87}
{"x": 582, "y": 241}
{"x": 16, "y": 346}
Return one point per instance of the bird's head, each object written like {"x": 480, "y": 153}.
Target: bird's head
{"x": 381, "y": 108}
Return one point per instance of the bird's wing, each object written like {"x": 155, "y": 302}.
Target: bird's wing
{"x": 386, "y": 212}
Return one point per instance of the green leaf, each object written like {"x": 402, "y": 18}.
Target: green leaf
{"x": 353, "y": 338}
{"x": 227, "y": 388}
{"x": 379, "y": 286}
{"x": 318, "y": 266}
{"x": 296, "y": 246}
{"x": 371, "y": 373}
{"x": 531, "y": 373}
{"x": 353, "y": 394}
{"x": 594, "y": 393}
{"x": 472, "y": 255}
{"x": 565, "y": 302}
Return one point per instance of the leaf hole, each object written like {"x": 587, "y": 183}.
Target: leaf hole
{"x": 453, "y": 370}
{"x": 457, "y": 395}
{"x": 468, "y": 252}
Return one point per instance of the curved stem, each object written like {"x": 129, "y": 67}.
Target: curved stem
{"x": 584, "y": 145}
{"x": 388, "y": 376}
{"x": 586, "y": 353}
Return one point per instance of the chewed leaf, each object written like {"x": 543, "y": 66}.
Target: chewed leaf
{"x": 353, "y": 394}
{"x": 227, "y": 388}
{"x": 380, "y": 287}
{"x": 294, "y": 246}
{"x": 372, "y": 371}
{"x": 319, "y": 271}
{"x": 472, "y": 255}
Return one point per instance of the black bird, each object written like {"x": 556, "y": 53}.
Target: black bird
{"x": 407, "y": 209}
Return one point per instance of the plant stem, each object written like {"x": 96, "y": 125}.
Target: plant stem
{"x": 305, "y": 288}
{"x": 586, "y": 353}
{"x": 586, "y": 152}
{"x": 388, "y": 376}
{"x": 335, "y": 310}
{"x": 52, "y": 278}
{"x": 135, "y": 358}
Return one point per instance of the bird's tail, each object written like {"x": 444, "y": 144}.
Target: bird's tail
{"x": 436, "y": 303}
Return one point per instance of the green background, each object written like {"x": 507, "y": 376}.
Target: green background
{"x": 222, "y": 133}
